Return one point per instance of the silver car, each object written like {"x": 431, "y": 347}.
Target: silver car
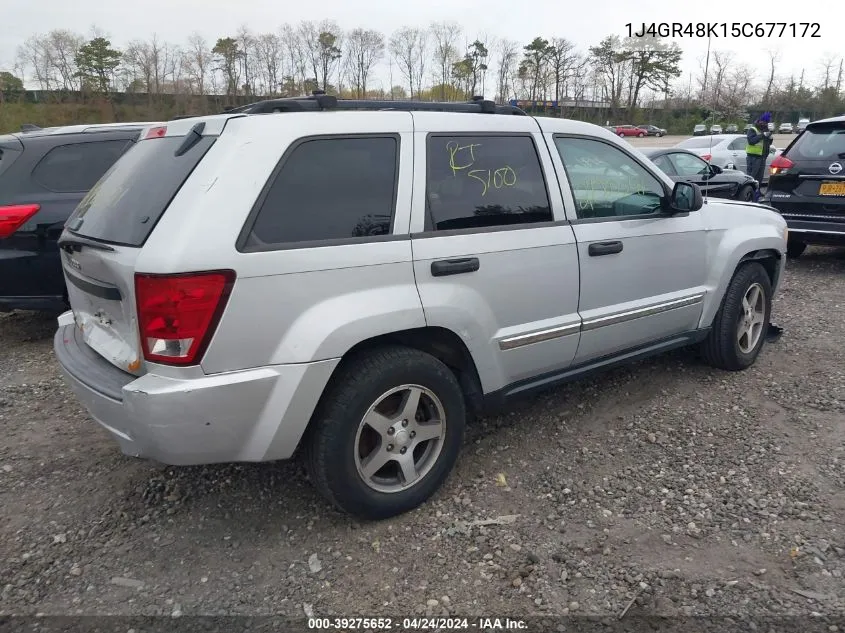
{"x": 352, "y": 285}
{"x": 727, "y": 151}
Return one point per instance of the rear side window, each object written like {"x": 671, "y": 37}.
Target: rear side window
{"x": 820, "y": 142}
{"x": 696, "y": 142}
{"x": 484, "y": 181}
{"x": 330, "y": 189}
{"x": 76, "y": 167}
{"x": 125, "y": 205}
{"x": 738, "y": 143}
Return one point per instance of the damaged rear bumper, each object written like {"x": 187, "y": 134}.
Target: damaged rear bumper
{"x": 252, "y": 415}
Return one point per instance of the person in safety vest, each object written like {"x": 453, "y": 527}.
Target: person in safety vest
{"x": 757, "y": 149}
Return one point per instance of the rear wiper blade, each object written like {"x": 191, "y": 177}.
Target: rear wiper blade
{"x": 70, "y": 244}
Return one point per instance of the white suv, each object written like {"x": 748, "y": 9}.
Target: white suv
{"x": 356, "y": 278}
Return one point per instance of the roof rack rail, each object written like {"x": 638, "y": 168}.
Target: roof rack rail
{"x": 29, "y": 127}
{"x": 319, "y": 100}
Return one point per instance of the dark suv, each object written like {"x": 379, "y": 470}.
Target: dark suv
{"x": 44, "y": 173}
{"x": 807, "y": 186}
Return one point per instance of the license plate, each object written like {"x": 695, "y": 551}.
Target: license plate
{"x": 832, "y": 189}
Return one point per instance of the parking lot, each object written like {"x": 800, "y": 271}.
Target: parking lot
{"x": 666, "y": 486}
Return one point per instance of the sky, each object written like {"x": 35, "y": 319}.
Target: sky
{"x": 584, "y": 23}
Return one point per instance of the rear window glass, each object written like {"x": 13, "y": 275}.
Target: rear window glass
{"x": 125, "y": 205}
{"x": 74, "y": 168}
{"x": 823, "y": 142}
{"x": 696, "y": 142}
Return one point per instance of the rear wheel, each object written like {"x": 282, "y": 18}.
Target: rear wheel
{"x": 746, "y": 193}
{"x": 739, "y": 328}
{"x": 795, "y": 248}
{"x": 387, "y": 433}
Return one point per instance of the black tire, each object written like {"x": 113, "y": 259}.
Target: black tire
{"x": 641, "y": 135}
{"x": 721, "y": 347}
{"x": 331, "y": 442}
{"x": 621, "y": 135}
{"x": 795, "y": 248}
{"x": 746, "y": 193}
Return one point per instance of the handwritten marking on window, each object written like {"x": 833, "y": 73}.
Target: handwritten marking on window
{"x": 463, "y": 157}
{"x": 502, "y": 177}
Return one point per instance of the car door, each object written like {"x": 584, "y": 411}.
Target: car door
{"x": 643, "y": 271}
{"x": 693, "y": 169}
{"x": 736, "y": 153}
{"x": 493, "y": 259}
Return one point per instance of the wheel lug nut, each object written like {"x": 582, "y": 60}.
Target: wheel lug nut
{"x": 391, "y": 431}
{"x": 404, "y": 422}
{"x": 403, "y": 450}
{"x": 413, "y": 433}
{"x": 390, "y": 447}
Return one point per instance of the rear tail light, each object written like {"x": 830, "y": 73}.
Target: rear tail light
{"x": 156, "y": 132}
{"x": 780, "y": 164}
{"x": 14, "y": 217}
{"x": 707, "y": 157}
{"x": 177, "y": 314}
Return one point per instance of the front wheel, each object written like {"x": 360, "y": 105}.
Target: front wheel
{"x": 640, "y": 135}
{"x": 745, "y": 193}
{"x": 387, "y": 433}
{"x": 621, "y": 135}
{"x": 739, "y": 328}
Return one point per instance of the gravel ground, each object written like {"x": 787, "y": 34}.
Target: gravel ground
{"x": 665, "y": 487}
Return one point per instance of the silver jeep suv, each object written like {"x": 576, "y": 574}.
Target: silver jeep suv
{"x": 356, "y": 279}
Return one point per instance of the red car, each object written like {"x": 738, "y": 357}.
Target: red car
{"x": 629, "y": 130}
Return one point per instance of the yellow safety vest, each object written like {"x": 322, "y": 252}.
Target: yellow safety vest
{"x": 757, "y": 148}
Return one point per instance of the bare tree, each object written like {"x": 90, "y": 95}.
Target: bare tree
{"x": 508, "y": 54}
{"x": 364, "y": 49}
{"x": 774, "y": 58}
{"x": 408, "y": 49}
{"x": 269, "y": 50}
{"x": 198, "y": 60}
{"x": 563, "y": 60}
{"x": 722, "y": 61}
{"x": 445, "y": 36}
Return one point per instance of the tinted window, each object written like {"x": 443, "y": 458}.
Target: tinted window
{"x": 482, "y": 181}
{"x": 664, "y": 163}
{"x": 738, "y": 143}
{"x": 125, "y": 205}
{"x": 76, "y": 167}
{"x": 687, "y": 165}
{"x": 820, "y": 142}
{"x": 606, "y": 181}
{"x": 336, "y": 188}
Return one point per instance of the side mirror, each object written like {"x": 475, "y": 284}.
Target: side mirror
{"x": 715, "y": 169}
{"x": 686, "y": 197}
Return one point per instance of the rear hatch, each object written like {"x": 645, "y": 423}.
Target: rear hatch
{"x": 810, "y": 174}
{"x": 104, "y": 235}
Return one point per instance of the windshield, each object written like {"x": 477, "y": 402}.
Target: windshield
{"x": 820, "y": 142}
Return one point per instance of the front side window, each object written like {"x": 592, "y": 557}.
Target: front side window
{"x": 484, "y": 181}
{"x": 664, "y": 164}
{"x": 329, "y": 189}
{"x": 688, "y": 166}
{"x": 606, "y": 182}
